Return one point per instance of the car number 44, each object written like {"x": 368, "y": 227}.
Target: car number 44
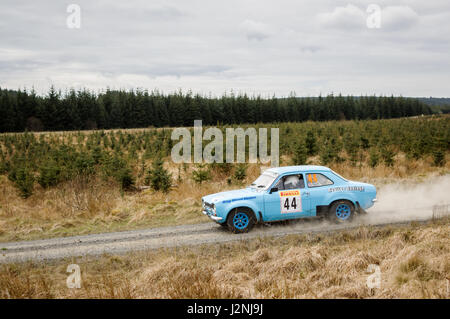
{"x": 290, "y": 201}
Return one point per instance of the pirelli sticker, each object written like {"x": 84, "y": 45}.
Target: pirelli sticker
{"x": 290, "y": 201}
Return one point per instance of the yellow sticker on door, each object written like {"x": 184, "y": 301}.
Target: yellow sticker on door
{"x": 290, "y": 201}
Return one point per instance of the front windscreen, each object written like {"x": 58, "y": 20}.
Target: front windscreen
{"x": 264, "y": 181}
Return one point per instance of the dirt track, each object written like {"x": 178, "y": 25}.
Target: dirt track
{"x": 122, "y": 242}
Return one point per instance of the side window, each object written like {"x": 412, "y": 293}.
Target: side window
{"x": 317, "y": 180}
{"x": 280, "y": 184}
{"x": 295, "y": 181}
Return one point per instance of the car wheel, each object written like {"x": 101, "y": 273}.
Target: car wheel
{"x": 341, "y": 211}
{"x": 240, "y": 220}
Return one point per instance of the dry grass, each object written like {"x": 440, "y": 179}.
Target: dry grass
{"x": 414, "y": 262}
{"x": 82, "y": 207}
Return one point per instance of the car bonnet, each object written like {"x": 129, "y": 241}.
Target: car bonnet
{"x": 234, "y": 195}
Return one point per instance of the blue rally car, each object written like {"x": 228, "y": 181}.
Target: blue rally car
{"x": 290, "y": 192}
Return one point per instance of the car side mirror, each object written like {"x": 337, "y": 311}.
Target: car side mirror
{"x": 274, "y": 190}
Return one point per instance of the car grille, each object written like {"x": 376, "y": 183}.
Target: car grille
{"x": 208, "y": 205}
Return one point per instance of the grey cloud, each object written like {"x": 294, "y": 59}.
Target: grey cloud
{"x": 398, "y": 17}
{"x": 21, "y": 66}
{"x": 164, "y": 12}
{"x": 255, "y": 30}
{"x": 310, "y": 49}
{"x": 348, "y": 17}
{"x": 144, "y": 13}
{"x": 165, "y": 69}
{"x": 264, "y": 46}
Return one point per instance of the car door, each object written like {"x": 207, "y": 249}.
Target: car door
{"x": 317, "y": 188}
{"x": 288, "y": 201}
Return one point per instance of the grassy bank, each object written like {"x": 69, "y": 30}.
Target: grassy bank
{"x": 414, "y": 262}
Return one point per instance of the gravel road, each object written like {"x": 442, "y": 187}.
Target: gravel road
{"x": 206, "y": 233}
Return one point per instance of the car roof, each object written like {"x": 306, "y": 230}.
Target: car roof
{"x": 298, "y": 168}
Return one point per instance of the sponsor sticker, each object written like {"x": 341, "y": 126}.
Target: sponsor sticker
{"x": 346, "y": 189}
{"x": 290, "y": 193}
{"x": 290, "y": 201}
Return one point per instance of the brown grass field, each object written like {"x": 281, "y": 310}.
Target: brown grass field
{"x": 414, "y": 261}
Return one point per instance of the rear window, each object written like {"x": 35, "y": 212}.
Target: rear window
{"x": 339, "y": 176}
{"x": 317, "y": 180}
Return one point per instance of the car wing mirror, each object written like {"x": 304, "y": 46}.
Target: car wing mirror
{"x": 274, "y": 190}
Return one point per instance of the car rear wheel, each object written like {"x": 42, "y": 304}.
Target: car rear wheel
{"x": 240, "y": 220}
{"x": 341, "y": 211}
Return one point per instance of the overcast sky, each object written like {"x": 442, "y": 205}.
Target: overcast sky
{"x": 210, "y": 46}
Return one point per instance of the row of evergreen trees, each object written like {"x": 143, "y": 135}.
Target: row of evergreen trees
{"x": 79, "y": 110}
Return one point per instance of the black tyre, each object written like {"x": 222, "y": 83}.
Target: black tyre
{"x": 341, "y": 211}
{"x": 241, "y": 220}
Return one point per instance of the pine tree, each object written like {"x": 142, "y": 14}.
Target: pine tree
{"x": 23, "y": 178}
{"x": 201, "y": 174}
{"x": 49, "y": 174}
{"x": 7, "y": 112}
{"x": 438, "y": 157}
{"x": 388, "y": 156}
{"x": 300, "y": 154}
{"x": 158, "y": 177}
{"x": 374, "y": 157}
{"x": 240, "y": 173}
{"x": 439, "y": 151}
{"x": 311, "y": 143}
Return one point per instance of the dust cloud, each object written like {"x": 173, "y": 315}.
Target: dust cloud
{"x": 404, "y": 202}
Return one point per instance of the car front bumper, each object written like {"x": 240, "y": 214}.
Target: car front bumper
{"x": 214, "y": 218}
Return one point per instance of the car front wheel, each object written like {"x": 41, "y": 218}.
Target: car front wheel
{"x": 240, "y": 220}
{"x": 341, "y": 211}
